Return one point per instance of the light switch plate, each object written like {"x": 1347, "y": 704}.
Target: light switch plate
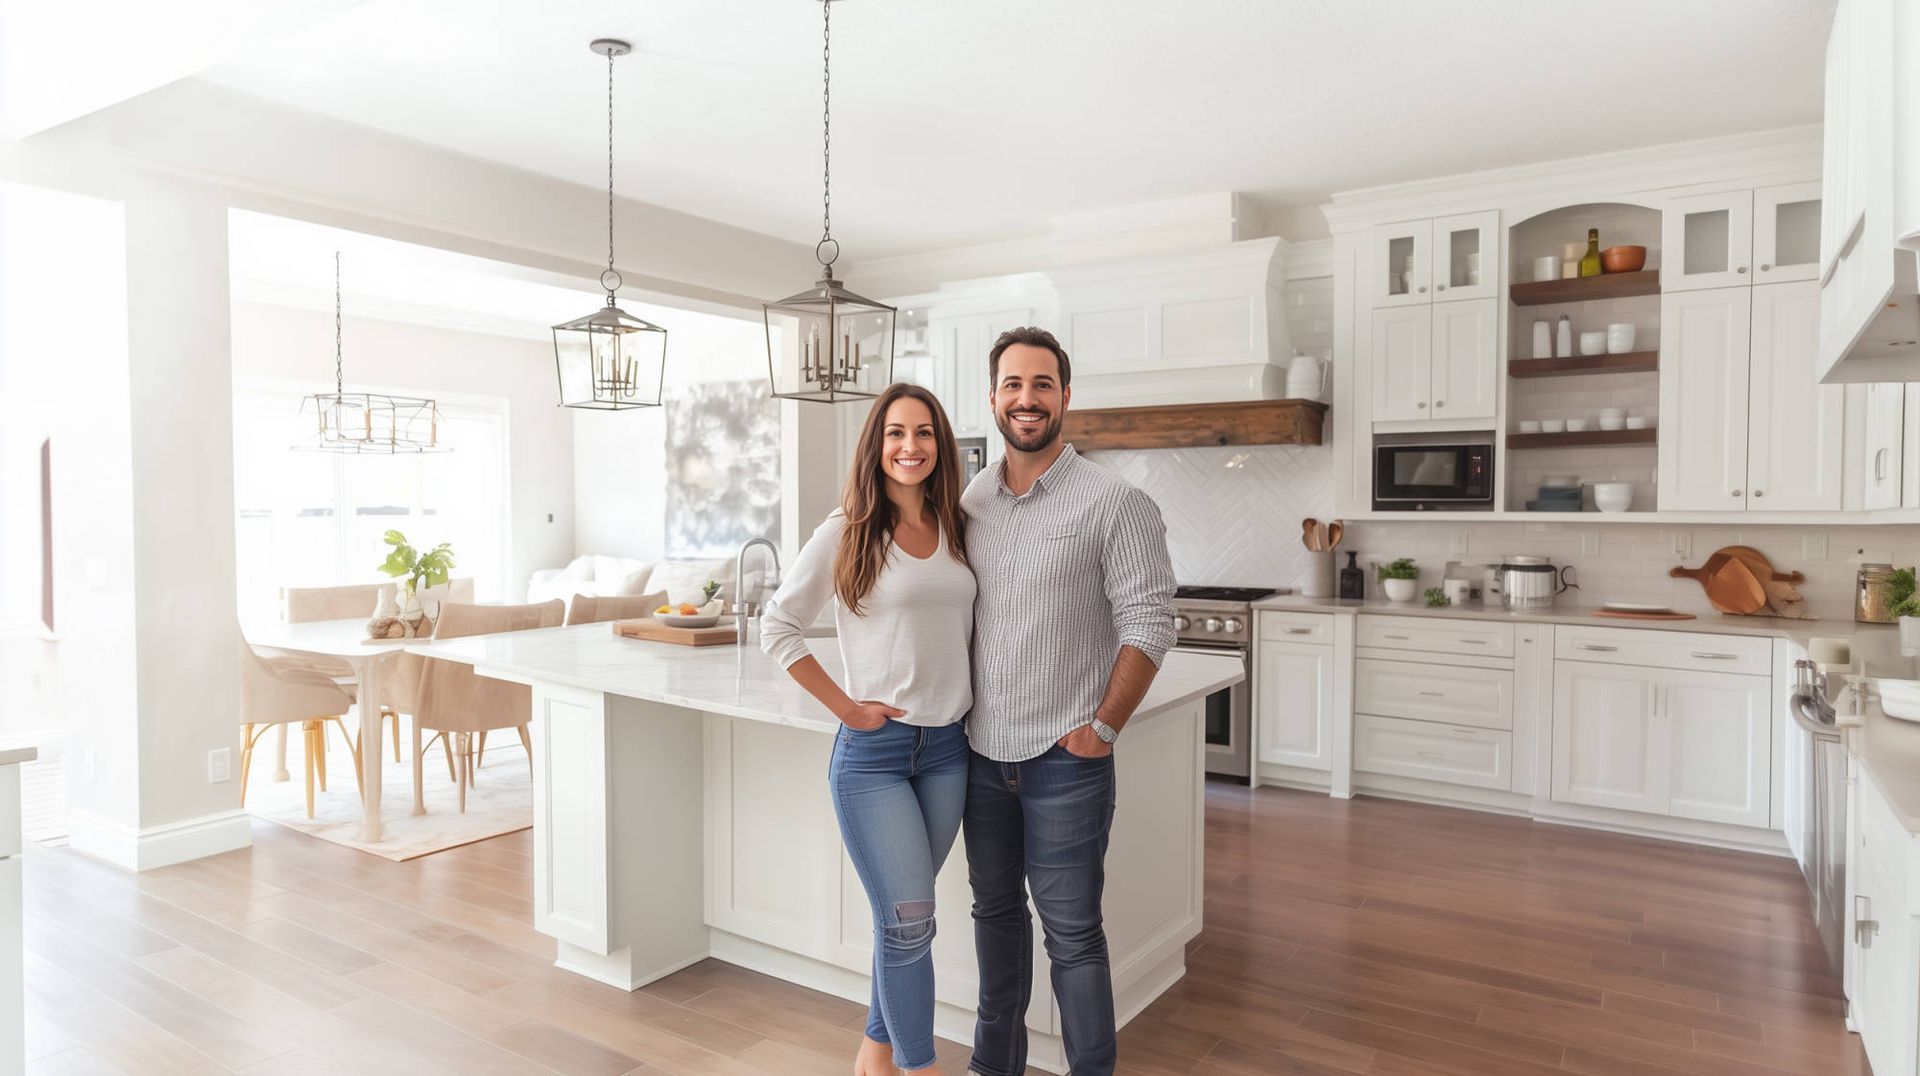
{"x": 219, "y": 765}
{"x": 1457, "y": 543}
{"x": 1590, "y": 544}
{"x": 1813, "y": 545}
{"x": 1683, "y": 544}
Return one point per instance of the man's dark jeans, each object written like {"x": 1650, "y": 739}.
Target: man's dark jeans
{"x": 1044, "y": 823}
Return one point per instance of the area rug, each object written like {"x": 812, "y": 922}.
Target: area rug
{"x": 500, "y": 801}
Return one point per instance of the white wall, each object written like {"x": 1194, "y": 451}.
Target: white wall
{"x": 283, "y": 344}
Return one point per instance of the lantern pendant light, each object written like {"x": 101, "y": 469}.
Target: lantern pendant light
{"x": 367, "y": 422}
{"x": 827, "y": 344}
{"x": 610, "y": 360}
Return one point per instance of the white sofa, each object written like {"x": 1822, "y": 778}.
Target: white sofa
{"x": 604, "y": 576}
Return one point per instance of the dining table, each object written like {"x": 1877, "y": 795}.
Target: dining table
{"x": 347, "y": 640}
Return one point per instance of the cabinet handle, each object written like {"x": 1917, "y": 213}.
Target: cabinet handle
{"x": 1742, "y": 269}
{"x": 1439, "y": 403}
{"x": 1880, "y": 465}
{"x": 1390, "y": 635}
{"x": 1595, "y": 646}
{"x": 1422, "y": 405}
{"x": 1441, "y": 287}
{"x": 1423, "y": 289}
{"x": 1863, "y": 928}
{"x": 1715, "y": 655}
{"x": 1759, "y": 493}
{"x": 1766, "y": 268}
{"x": 1434, "y": 694}
{"x": 1429, "y": 754}
{"x": 1299, "y": 631}
{"x": 1473, "y": 642}
{"x": 1736, "y": 493}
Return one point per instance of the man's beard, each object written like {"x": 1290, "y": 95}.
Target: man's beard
{"x": 1047, "y": 434}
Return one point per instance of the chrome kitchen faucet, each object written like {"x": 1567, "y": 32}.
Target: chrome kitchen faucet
{"x": 743, "y": 610}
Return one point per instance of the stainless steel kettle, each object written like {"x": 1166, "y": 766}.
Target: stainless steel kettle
{"x": 1532, "y": 582}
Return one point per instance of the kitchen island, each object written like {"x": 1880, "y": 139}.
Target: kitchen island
{"x": 681, "y": 812}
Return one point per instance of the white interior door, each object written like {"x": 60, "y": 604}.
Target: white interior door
{"x": 1466, "y": 257}
{"x": 1293, "y": 703}
{"x": 1707, "y": 241}
{"x": 1704, "y": 338}
{"x": 1466, "y": 363}
{"x": 1609, "y": 749}
{"x": 1402, "y": 363}
{"x": 1399, "y": 268}
{"x": 1722, "y": 743}
{"x": 1794, "y": 433}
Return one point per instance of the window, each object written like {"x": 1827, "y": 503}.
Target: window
{"x": 318, "y": 519}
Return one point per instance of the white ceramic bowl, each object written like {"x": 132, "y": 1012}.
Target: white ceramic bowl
{"x": 1593, "y": 343}
{"x": 1559, "y": 481}
{"x": 1529, "y": 425}
{"x": 675, "y": 620}
{"x": 1613, "y": 496}
{"x": 1613, "y": 422}
{"x": 1400, "y": 590}
{"x": 1639, "y": 422}
{"x": 1899, "y": 698}
{"x": 1614, "y": 412}
{"x": 1620, "y": 336}
{"x": 1576, "y": 425}
{"x": 1552, "y": 425}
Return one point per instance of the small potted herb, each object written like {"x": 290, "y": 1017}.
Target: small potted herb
{"x": 1904, "y": 604}
{"x": 1400, "y": 579}
{"x": 417, "y": 569}
{"x": 1437, "y": 598}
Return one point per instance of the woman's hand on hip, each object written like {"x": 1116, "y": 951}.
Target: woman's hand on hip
{"x": 867, "y": 715}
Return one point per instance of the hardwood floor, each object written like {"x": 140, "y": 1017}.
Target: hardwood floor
{"x": 1342, "y": 937}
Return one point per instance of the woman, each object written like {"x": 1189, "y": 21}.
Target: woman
{"x": 893, "y": 560}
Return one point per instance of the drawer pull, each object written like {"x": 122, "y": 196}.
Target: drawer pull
{"x": 1298, "y": 631}
{"x": 1596, "y": 646}
{"x": 1390, "y": 635}
{"x": 1476, "y": 642}
{"x": 1465, "y": 731}
{"x": 1434, "y": 694}
{"x": 1429, "y": 754}
{"x": 1714, "y": 655}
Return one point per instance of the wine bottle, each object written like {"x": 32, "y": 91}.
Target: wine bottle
{"x": 1590, "y": 262}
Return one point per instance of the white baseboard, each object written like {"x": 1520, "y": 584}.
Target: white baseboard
{"x": 158, "y": 846}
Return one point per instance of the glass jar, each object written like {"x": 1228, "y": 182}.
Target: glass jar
{"x": 1871, "y": 602}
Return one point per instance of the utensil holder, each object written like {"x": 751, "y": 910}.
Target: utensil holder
{"x": 1316, "y": 581}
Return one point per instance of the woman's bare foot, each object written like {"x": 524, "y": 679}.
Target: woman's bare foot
{"x": 874, "y": 1059}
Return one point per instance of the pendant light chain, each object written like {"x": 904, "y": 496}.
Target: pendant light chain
{"x": 826, "y": 139}
{"x": 339, "y": 379}
{"x": 612, "y": 276}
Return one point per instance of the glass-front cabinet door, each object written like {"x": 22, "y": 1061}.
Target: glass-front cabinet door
{"x": 1786, "y": 233}
{"x": 1466, "y": 257}
{"x": 1707, "y": 241}
{"x": 1399, "y": 266}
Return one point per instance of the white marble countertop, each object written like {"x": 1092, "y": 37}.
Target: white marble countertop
{"x": 730, "y": 680}
{"x": 1771, "y": 627}
{"x": 16, "y": 755}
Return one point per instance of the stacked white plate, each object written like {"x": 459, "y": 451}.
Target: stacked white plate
{"x": 1634, "y": 607}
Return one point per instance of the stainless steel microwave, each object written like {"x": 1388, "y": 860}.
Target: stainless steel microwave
{"x": 1432, "y": 476}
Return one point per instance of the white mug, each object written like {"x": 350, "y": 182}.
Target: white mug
{"x": 1546, "y": 267}
{"x": 1619, "y": 338}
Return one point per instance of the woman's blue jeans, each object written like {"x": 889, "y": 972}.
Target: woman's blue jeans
{"x": 898, "y": 792}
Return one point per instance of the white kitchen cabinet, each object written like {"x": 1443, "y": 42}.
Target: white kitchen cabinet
{"x": 1910, "y": 447}
{"x": 955, "y": 365}
{"x": 1466, "y": 257}
{"x": 1707, "y": 241}
{"x": 1794, "y": 423}
{"x": 1674, "y": 742}
{"x": 1402, "y": 363}
{"x": 1293, "y": 702}
{"x": 1881, "y": 966}
{"x": 1435, "y": 635}
{"x": 1882, "y": 458}
{"x": 1399, "y": 265}
{"x": 1456, "y": 694}
{"x": 1704, "y": 339}
{"x": 1432, "y": 751}
{"x": 1786, "y": 236}
{"x": 1465, "y": 370}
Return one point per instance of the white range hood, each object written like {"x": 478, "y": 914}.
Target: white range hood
{"x": 1206, "y": 326}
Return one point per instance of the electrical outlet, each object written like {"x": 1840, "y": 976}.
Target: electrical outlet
{"x": 90, "y": 763}
{"x": 1590, "y": 544}
{"x": 1683, "y": 544}
{"x": 1457, "y": 544}
{"x": 219, "y": 765}
{"x": 1813, "y": 545}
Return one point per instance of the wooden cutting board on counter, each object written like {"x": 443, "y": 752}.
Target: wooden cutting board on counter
{"x": 653, "y": 631}
{"x": 1741, "y": 581}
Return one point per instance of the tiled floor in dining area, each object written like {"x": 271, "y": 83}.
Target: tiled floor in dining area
{"x": 1342, "y": 937}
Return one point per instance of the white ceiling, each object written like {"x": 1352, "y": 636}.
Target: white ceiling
{"x": 958, "y": 123}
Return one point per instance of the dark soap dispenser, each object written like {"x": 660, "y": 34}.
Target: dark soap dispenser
{"x": 1353, "y": 579}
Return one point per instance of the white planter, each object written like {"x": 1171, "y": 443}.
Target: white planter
{"x": 1400, "y": 590}
{"x": 1910, "y": 634}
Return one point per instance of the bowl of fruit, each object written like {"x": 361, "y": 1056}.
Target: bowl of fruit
{"x": 689, "y": 615}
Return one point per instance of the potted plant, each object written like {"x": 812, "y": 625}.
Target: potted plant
{"x": 1904, "y": 604}
{"x": 1400, "y": 579}
{"x": 404, "y": 562}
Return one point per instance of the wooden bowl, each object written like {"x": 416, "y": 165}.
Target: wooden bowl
{"x": 1623, "y": 259}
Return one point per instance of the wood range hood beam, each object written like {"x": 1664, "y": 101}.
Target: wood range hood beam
{"x": 1252, "y": 422}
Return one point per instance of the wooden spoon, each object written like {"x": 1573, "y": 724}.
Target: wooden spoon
{"x": 1309, "y": 533}
{"x": 1334, "y": 531}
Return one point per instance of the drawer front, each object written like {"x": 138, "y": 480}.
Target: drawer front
{"x": 1751, "y": 655}
{"x": 1435, "y": 635}
{"x": 1456, "y": 754}
{"x": 1278, "y": 627}
{"x": 1453, "y": 694}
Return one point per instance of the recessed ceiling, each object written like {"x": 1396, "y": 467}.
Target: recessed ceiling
{"x": 956, "y": 123}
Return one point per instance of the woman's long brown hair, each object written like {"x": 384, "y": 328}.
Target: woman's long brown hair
{"x": 871, "y": 515}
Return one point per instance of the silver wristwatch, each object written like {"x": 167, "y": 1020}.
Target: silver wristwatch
{"x": 1106, "y": 732}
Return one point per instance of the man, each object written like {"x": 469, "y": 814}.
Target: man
{"x": 1073, "y": 617}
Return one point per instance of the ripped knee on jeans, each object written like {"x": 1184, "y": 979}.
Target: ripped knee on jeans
{"x": 911, "y": 934}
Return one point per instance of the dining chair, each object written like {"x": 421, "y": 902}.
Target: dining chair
{"x": 590, "y": 609}
{"x": 277, "y": 694}
{"x": 456, "y": 703}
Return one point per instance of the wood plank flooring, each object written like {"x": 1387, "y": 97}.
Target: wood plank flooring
{"x": 1342, "y": 937}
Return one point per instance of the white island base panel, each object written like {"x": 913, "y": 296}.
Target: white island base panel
{"x": 664, "y": 835}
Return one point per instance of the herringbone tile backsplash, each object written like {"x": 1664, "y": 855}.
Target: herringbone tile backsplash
{"x": 1233, "y": 514}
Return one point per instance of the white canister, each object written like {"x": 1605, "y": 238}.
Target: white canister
{"x": 1317, "y": 580}
{"x": 1546, "y": 267}
{"x": 1570, "y": 270}
{"x": 1456, "y": 590}
{"x": 1542, "y": 340}
{"x": 1573, "y": 252}
{"x": 1307, "y": 376}
{"x": 1619, "y": 338}
{"x": 1563, "y": 339}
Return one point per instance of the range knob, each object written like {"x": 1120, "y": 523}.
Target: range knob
{"x": 1180, "y": 622}
{"x": 1235, "y": 626}
{"x": 1213, "y": 625}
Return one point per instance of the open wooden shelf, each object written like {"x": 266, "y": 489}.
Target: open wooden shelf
{"x": 1630, "y": 362}
{"x": 1604, "y": 286}
{"x": 1254, "y": 422}
{"x": 1584, "y": 437}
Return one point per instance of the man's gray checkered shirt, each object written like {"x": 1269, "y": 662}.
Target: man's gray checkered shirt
{"x": 1068, "y": 573}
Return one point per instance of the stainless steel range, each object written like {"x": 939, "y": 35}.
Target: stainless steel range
{"x": 1219, "y": 620}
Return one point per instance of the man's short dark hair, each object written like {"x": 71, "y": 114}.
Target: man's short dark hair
{"x": 1033, "y": 336}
